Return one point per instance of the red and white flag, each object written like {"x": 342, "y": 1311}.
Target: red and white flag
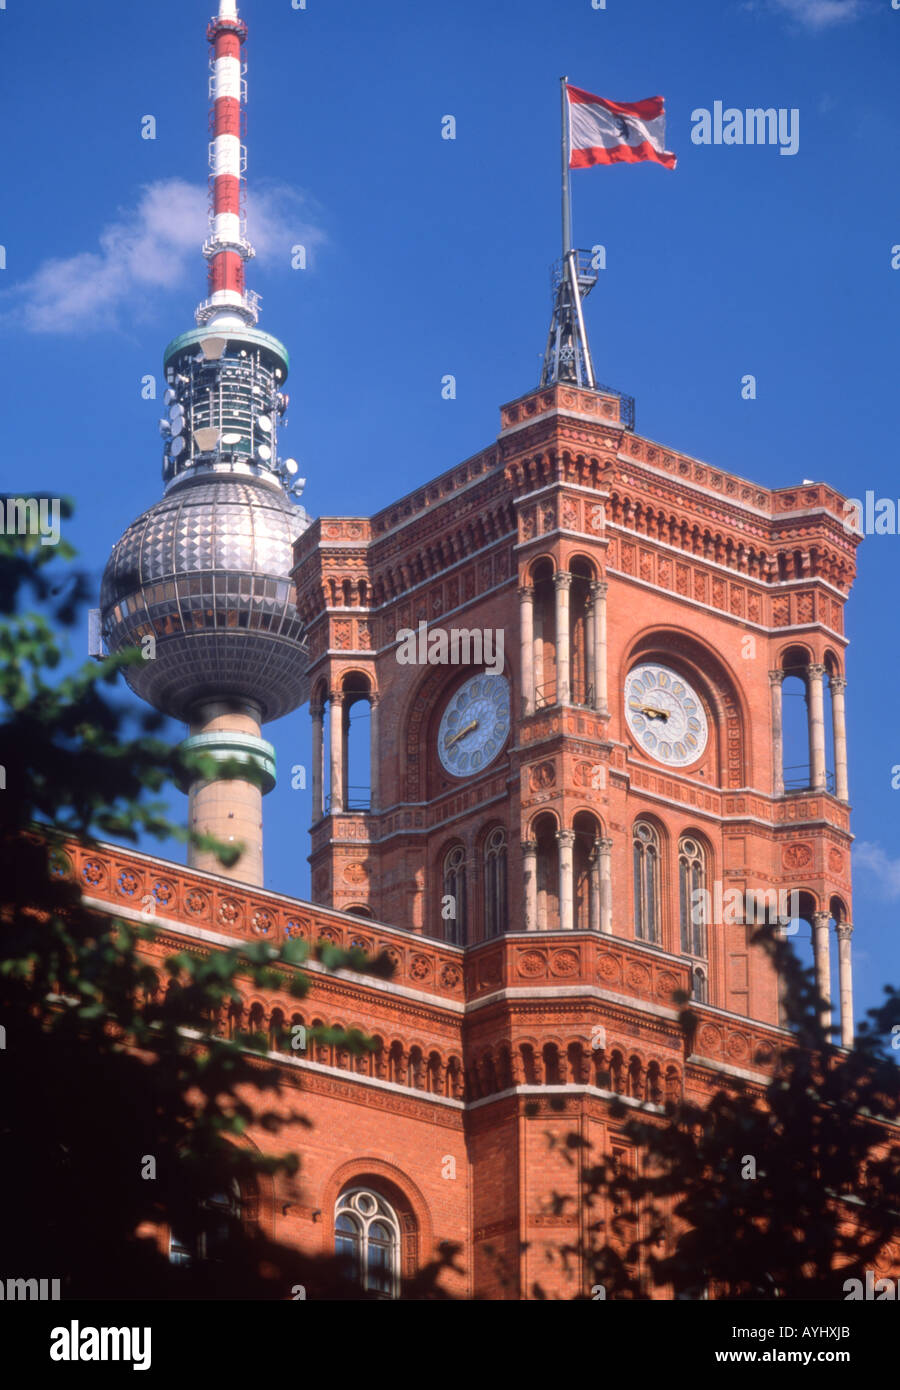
{"x": 611, "y": 132}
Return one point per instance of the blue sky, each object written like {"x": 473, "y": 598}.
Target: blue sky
{"x": 429, "y": 256}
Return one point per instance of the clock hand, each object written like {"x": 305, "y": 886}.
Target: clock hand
{"x": 654, "y": 713}
{"x": 449, "y": 742}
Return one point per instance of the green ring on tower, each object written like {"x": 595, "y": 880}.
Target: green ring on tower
{"x": 224, "y": 746}
{"x": 266, "y": 341}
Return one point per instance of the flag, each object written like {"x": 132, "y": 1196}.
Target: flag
{"x": 611, "y": 132}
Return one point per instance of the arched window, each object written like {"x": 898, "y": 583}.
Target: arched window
{"x": 547, "y": 905}
{"x": 692, "y": 897}
{"x": 495, "y": 883}
{"x": 647, "y": 925}
{"x": 367, "y": 1234}
{"x": 221, "y": 1214}
{"x": 544, "y": 634}
{"x": 276, "y": 1030}
{"x": 453, "y": 903}
{"x": 699, "y": 985}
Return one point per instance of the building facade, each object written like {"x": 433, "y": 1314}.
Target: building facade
{"x": 542, "y": 909}
{"x": 577, "y": 803}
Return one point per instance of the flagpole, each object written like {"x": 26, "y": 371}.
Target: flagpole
{"x": 569, "y": 268}
{"x": 566, "y": 192}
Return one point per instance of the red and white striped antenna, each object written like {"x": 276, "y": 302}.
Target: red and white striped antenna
{"x": 230, "y": 304}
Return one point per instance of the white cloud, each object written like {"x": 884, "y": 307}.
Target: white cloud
{"x": 149, "y": 250}
{"x": 886, "y": 871}
{"x": 821, "y": 14}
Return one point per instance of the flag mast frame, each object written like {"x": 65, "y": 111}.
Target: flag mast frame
{"x": 566, "y": 182}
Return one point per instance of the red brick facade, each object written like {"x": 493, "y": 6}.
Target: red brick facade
{"x": 530, "y": 1023}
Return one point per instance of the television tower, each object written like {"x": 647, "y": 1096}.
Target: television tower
{"x": 204, "y": 572}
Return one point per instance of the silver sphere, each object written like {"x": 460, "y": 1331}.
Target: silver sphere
{"x": 205, "y": 570}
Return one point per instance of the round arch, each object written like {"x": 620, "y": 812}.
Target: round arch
{"x": 583, "y": 565}
{"x": 543, "y": 813}
{"x": 838, "y": 909}
{"x": 692, "y": 831}
{"x": 545, "y": 563}
{"x": 833, "y": 662}
{"x": 794, "y": 657}
{"x": 421, "y": 714}
{"x": 356, "y": 681}
{"x": 702, "y": 665}
{"x": 417, "y": 1231}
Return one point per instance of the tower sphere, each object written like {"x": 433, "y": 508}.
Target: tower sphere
{"x": 200, "y": 583}
{"x": 205, "y": 571}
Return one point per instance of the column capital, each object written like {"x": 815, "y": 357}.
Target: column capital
{"x": 838, "y": 682}
{"x": 844, "y": 931}
{"x": 562, "y": 579}
{"x": 816, "y": 669}
{"x": 526, "y": 593}
{"x": 336, "y": 697}
{"x": 821, "y": 918}
{"x": 374, "y": 698}
{"x": 565, "y": 838}
{"x": 604, "y": 844}
{"x": 777, "y": 677}
{"x": 529, "y": 846}
{"x": 599, "y": 588}
{"x": 317, "y": 711}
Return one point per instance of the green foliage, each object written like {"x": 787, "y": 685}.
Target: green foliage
{"x": 816, "y": 1206}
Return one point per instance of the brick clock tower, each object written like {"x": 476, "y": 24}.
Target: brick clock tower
{"x": 608, "y": 742}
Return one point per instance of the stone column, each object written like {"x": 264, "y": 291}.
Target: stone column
{"x": 845, "y": 977}
{"x": 539, "y": 659}
{"x": 337, "y": 752}
{"x": 562, "y": 583}
{"x": 599, "y": 590}
{"x": 841, "y": 788}
{"x": 566, "y": 841}
{"x": 374, "y": 752}
{"x": 526, "y": 639}
{"x": 318, "y": 762}
{"x": 594, "y": 887}
{"x": 776, "y": 681}
{"x": 822, "y": 962}
{"x": 816, "y": 702}
{"x": 605, "y": 885}
{"x": 590, "y": 696}
{"x": 229, "y": 808}
{"x": 529, "y": 874}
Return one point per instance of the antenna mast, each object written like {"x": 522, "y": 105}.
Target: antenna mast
{"x": 227, "y": 249}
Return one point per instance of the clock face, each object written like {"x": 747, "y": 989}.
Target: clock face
{"x": 665, "y": 715}
{"x": 475, "y": 725}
